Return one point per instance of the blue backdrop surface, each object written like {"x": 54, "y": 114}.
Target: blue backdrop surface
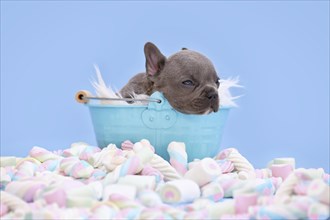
{"x": 279, "y": 49}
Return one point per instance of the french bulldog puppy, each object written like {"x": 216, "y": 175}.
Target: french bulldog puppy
{"x": 187, "y": 79}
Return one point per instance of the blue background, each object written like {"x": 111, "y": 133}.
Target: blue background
{"x": 279, "y": 49}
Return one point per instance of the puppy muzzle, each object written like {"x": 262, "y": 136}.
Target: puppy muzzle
{"x": 214, "y": 101}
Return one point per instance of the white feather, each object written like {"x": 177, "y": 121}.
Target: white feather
{"x": 103, "y": 91}
{"x": 226, "y": 98}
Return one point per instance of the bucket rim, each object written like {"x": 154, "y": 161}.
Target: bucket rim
{"x": 94, "y": 105}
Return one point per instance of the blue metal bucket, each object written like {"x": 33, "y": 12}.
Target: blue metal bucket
{"x": 160, "y": 124}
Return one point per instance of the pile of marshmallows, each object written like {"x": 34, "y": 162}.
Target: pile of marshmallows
{"x": 133, "y": 182}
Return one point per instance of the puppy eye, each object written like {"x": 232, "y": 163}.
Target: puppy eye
{"x": 188, "y": 83}
{"x": 217, "y": 81}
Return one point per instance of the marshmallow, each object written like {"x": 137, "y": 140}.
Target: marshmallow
{"x": 143, "y": 145}
{"x": 318, "y": 211}
{"x": 271, "y": 212}
{"x": 57, "y": 196}
{"x": 103, "y": 212}
{"x": 132, "y": 165}
{"x": 146, "y": 143}
{"x": 140, "y": 182}
{"x": 42, "y": 154}
{"x": 198, "y": 204}
{"x": 165, "y": 168}
{"x": 240, "y": 162}
{"x": 265, "y": 187}
{"x": 13, "y": 202}
{"x": 76, "y": 168}
{"x": 265, "y": 200}
{"x": 200, "y": 214}
{"x": 226, "y": 166}
{"x": 67, "y": 163}
{"x": 149, "y": 198}
{"x": 26, "y": 190}
{"x": 219, "y": 209}
{"x": 88, "y": 152}
{"x": 150, "y": 171}
{"x": 263, "y": 173}
{"x": 204, "y": 172}
{"x": 3, "y": 209}
{"x": 97, "y": 187}
{"x": 50, "y": 165}
{"x": 145, "y": 153}
{"x": 243, "y": 175}
{"x": 26, "y": 168}
{"x": 153, "y": 213}
{"x": 8, "y": 161}
{"x": 244, "y": 201}
{"x": 287, "y": 186}
{"x": 229, "y": 183}
{"x": 106, "y": 158}
{"x": 127, "y": 145}
{"x": 193, "y": 163}
{"x": 178, "y": 156}
{"x": 283, "y": 160}
{"x": 75, "y": 150}
{"x": 320, "y": 191}
{"x": 128, "y": 191}
{"x": 124, "y": 203}
{"x": 174, "y": 213}
{"x": 212, "y": 191}
{"x": 281, "y": 170}
{"x": 179, "y": 191}
{"x": 309, "y": 174}
{"x": 5, "y": 178}
{"x": 82, "y": 169}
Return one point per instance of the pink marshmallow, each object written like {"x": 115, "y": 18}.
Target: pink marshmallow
{"x": 281, "y": 170}
{"x": 3, "y": 209}
{"x": 223, "y": 154}
{"x": 57, "y": 196}
{"x": 30, "y": 193}
{"x": 227, "y": 166}
{"x": 244, "y": 201}
{"x": 150, "y": 171}
{"x": 127, "y": 145}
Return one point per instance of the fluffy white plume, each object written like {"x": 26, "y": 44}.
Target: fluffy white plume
{"x": 101, "y": 89}
{"x": 104, "y": 91}
{"x": 226, "y": 98}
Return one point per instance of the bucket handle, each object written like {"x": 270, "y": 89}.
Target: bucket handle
{"x": 84, "y": 96}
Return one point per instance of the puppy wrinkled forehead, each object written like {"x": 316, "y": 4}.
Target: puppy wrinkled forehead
{"x": 193, "y": 62}
{"x": 190, "y": 57}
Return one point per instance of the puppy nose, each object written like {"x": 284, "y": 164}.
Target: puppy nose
{"x": 213, "y": 95}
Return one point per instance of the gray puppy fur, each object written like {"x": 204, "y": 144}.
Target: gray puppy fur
{"x": 187, "y": 79}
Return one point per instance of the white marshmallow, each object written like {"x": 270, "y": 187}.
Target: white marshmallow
{"x": 179, "y": 191}
{"x": 204, "y": 172}
{"x": 128, "y": 191}
{"x": 140, "y": 182}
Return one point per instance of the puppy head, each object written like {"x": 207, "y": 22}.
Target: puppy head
{"x": 187, "y": 79}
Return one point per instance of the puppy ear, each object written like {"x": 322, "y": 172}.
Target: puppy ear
{"x": 155, "y": 60}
